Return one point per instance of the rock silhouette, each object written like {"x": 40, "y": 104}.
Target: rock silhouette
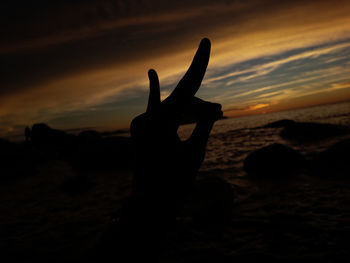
{"x": 87, "y": 150}
{"x": 92, "y": 151}
{"x": 42, "y": 134}
{"x": 280, "y": 123}
{"x": 333, "y": 162}
{"x": 275, "y": 160}
{"x": 304, "y": 132}
{"x": 27, "y": 133}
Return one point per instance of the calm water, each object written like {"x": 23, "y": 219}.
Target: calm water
{"x": 233, "y": 139}
{"x": 305, "y": 216}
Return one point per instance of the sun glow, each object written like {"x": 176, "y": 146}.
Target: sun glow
{"x": 258, "y": 106}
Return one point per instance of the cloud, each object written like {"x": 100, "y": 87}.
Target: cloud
{"x": 98, "y": 53}
{"x": 266, "y": 68}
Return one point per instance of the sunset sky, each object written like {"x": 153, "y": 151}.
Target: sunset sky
{"x": 75, "y": 64}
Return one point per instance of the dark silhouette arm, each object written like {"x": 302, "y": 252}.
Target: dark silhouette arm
{"x": 165, "y": 166}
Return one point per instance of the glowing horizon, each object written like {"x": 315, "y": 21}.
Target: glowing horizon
{"x": 278, "y": 57}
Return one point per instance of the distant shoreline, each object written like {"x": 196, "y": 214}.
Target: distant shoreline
{"x": 125, "y": 131}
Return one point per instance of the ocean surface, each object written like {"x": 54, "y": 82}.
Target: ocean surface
{"x": 306, "y": 217}
{"x": 231, "y": 140}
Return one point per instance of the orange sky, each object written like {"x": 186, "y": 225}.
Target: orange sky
{"x": 92, "y": 72}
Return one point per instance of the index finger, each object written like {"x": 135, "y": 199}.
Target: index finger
{"x": 191, "y": 81}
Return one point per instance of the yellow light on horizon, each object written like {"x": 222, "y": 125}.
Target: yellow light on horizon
{"x": 257, "y": 106}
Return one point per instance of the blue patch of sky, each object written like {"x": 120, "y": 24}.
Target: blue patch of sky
{"x": 301, "y": 71}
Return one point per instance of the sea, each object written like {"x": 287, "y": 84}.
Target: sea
{"x": 305, "y": 218}
{"x": 232, "y": 139}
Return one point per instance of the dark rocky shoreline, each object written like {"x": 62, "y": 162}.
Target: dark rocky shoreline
{"x": 58, "y": 208}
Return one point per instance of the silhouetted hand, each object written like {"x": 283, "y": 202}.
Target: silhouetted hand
{"x": 166, "y": 167}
